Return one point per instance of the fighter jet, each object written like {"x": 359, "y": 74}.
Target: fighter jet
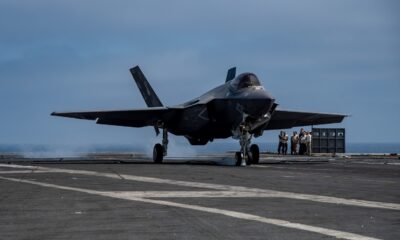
{"x": 240, "y": 108}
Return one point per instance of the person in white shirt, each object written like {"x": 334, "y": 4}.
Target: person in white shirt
{"x": 283, "y": 139}
{"x": 308, "y": 143}
{"x": 280, "y": 146}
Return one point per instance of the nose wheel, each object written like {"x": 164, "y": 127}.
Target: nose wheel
{"x": 248, "y": 154}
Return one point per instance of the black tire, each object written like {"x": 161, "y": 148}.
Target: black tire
{"x": 249, "y": 160}
{"x": 238, "y": 158}
{"x": 255, "y": 154}
{"x": 158, "y": 153}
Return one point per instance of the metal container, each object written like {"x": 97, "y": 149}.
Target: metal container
{"x": 328, "y": 140}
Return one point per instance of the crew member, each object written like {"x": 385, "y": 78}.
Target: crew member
{"x": 302, "y": 133}
{"x": 303, "y": 146}
{"x": 280, "y": 146}
{"x": 294, "y": 140}
{"x": 285, "y": 141}
{"x": 308, "y": 143}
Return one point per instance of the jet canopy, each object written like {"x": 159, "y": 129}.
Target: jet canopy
{"x": 245, "y": 80}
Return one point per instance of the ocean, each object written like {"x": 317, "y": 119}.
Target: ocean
{"x": 174, "y": 149}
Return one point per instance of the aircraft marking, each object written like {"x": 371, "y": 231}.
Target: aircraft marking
{"x": 202, "y": 116}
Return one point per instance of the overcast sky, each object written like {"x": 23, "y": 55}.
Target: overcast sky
{"x": 328, "y": 56}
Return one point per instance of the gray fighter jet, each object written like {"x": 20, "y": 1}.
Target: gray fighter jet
{"x": 240, "y": 108}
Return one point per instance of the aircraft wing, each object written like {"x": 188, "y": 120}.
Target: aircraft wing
{"x": 282, "y": 119}
{"x": 127, "y": 118}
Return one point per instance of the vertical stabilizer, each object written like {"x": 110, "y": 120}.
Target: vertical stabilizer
{"x": 150, "y": 97}
{"x": 231, "y": 74}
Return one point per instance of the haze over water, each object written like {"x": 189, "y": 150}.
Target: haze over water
{"x": 175, "y": 150}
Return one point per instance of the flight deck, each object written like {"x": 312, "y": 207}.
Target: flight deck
{"x": 126, "y": 196}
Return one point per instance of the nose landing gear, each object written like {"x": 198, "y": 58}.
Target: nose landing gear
{"x": 247, "y": 155}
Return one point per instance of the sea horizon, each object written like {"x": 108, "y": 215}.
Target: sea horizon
{"x": 175, "y": 149}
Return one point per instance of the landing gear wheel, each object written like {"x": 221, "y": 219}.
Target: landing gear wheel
{"x": 158, "y": 153}
{"x": 254, "y": 154}
{"x": 249, "y": 160}
{"x": 238, "y": 158}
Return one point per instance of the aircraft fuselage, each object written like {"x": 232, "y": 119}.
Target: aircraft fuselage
{"x": 219, "y": 112}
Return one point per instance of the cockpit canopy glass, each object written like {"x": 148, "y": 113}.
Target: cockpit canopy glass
{"x": 245, "y": 80}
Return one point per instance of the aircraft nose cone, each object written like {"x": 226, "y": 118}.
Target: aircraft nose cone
{"x": 260, "y": 102}
{"x": 261, "y": 94}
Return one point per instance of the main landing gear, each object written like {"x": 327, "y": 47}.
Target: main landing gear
{"x": 159, "y": 151}
{"x": 252, "y": 157}
{"x": 247, "y": 155}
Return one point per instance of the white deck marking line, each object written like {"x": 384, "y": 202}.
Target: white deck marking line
{"x": 393, "y": 163}
{"x": 24, "y": 171}
{"x": 375, "y": 163}
{"x": 191, "y": 194}
{"x": 16, "y": 166}
{"x": 278, "y": 194}
{"x": 234, "y": 214}
{"x": 293, "y": 168}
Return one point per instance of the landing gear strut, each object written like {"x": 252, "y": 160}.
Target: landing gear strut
{"x": 159, "y": 151}
{"x": 247, "y": 155}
